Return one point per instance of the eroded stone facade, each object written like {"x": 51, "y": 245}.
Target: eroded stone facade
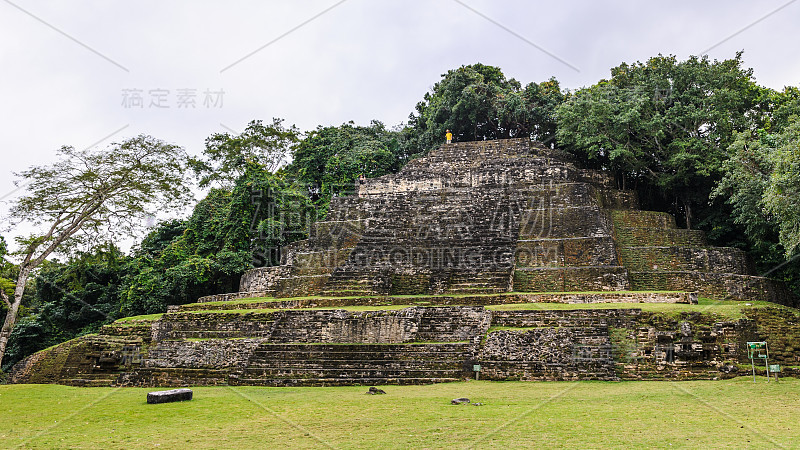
{"x": 415, "y": 345}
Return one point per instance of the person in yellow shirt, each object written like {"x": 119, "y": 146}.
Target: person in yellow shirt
{"x": 449, "y": 136}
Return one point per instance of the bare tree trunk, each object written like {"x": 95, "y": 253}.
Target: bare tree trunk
{"x": 8, "y": 325}
{"x": 13, "y": 310}
{"x": 688, "y": 210}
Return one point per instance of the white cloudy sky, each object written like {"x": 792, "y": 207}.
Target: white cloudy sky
{"x": 65, "y": 66}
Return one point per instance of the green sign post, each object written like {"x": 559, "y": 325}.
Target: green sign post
{"x": 477, "y": 369}
{"x": 775, "y": 368}
{"x": 758, "y": 350}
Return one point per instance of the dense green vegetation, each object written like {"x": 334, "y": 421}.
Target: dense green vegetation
{"x": 229, "y": 232}
{"x": 702, "y": 140}
{"x": 477, "y": 102}
{"x": 731, "y": 413}
{"x": 696, "y": 138}
{"x": 663, "y": 126}
{"x": 329, "y": 160}
{"x": 762, "y": 184}
{"x": 70, "y": 300}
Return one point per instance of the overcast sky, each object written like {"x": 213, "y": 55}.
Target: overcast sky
{"x": 86, "y": 73}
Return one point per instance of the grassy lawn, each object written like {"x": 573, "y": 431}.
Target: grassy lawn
{"x": 321, "y": 308}
{"x": 133, "y": 319}
{"x": 734, "y": 413}
{"x": 728, "y": 309}
{"x": 242, "y": 301}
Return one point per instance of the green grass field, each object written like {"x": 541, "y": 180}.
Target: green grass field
{"x": 734, "y": 414}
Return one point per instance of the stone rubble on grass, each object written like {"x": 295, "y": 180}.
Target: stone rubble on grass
{"x": 375, "y": 391}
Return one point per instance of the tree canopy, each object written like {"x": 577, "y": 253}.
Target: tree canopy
{"x": 663, "y": 125}
{"x": 762, "y": 183}
{"x": 330, "y": 159}
{"x": 477, "y": 102}
{"x": 227, "y": 155}
{"x": 229, "y": 231}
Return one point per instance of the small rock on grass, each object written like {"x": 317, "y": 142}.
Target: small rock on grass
{"x": 459, "y": 401}
{"x": 375, "y": 391}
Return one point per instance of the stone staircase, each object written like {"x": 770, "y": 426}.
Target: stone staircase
{"x": 442, "y": 242}
{"x": 490, "y": 282}
{"x": 353, "y": 364}
{"x": 450, "y": 223}
{"x": 660, "y": 256}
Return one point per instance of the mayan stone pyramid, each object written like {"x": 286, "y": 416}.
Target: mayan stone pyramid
{"x": 501, "y": 216}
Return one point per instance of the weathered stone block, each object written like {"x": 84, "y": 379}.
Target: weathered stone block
{"x": 174, "y": 395}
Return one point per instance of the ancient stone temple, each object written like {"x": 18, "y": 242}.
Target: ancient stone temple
{"x": 501, "y": 216}
{"x": 449, "y": 266}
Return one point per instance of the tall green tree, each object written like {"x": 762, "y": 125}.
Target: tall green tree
{"x": 783, "y": 106}
{"x": 664, "y": 125}
{"x": 477, "y": 102}
{"x": 762, "y": 183}
{"x": 225, "y": 155}
{"x": 79, "y": 296}
{"x": 89, "y": 197}
{"x": 330, "y": 159}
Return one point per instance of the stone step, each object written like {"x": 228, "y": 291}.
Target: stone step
{"x": 213, "y": 334}
{"x": 711, "y": 259}
{"x": 719, "y": 286}
{"x": 272, "y": 358}
{"x": 234, "y": 296}
{"x": 569, "y": 279}
{"x": 642, "y": 219}
{"x": 658, "y": 237}
{"x": 86, "y": 373}
{"x": 352, "y": 372}
{"x": 478, "y": 285}
{"x": 365, "y": 349}
{"x": 510, "y": 370}
{"x": 88, "y": 382}
{"x": 475, "y": 291}
{"x": 343, "y": 293}
{"x": 350, "y": 282}
{"x": 566, "y": 252}
{"x": 283, "y": 382}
